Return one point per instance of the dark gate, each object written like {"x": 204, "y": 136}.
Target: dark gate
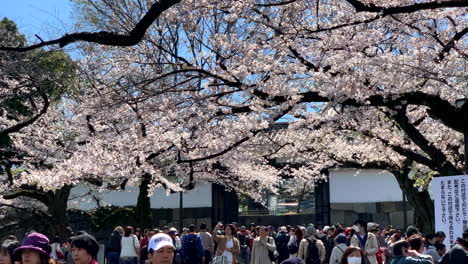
{"x": 322, "y": 204}
{"x": 225, "y": 205}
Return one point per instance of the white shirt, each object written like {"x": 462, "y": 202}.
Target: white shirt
{"x": 128, "y": 246}
{"x": 229, "y": 244}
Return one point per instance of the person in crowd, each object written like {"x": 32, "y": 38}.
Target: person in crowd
{"x": 252, "y": 235}
{"x": 374, "y": 228}
{"x": 338, "y": 250}
{"x": 404, "y": 255}
{"x": 56, "y": 250}
{"x": 440, "y": 235}
{"x": 84, "y": 249}
{"x": 350, "y": 232}
{"x": 6, "y": 250}
{"x": 165, "y": 230}
{"x": 458, "y": 254}
{"x": 441, "y": 249}
{"x": 395, "y": 237}
{"x": 129, "y": 247}
{"x": 207, "y": 242}
{"x": 353, "y": 255}
{"x": 311, "y": 249}
{"x": 281, "y": 241}
{"x": 173, "y": 233}
{"x": 294, "y": 241}
{"x": 144, "y": 246}
{"x": 192, "y": 251}
{"x": 35, "y": 249}
{"x": 430, "y": 248}
{"x": 329, "y": 242}
{"x": 137, "y": 233}
{"x": 293, "y": 261}
{"x": 161, "y": 249}
{"x": 228, "y": 244}
{"x": 271, "y": 232}
{"x": 365, "y": 241}
{"x": 68, "y": 253}
{"x": 243, "y": 237}
{"x": 411, "y": 231}
{"x": 114, "y": 247}
{"x": 261, "y": 246}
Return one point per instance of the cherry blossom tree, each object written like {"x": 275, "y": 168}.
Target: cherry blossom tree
{"x": 201, "y": 79}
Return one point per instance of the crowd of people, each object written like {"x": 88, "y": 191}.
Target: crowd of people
{"x": 362, "y": 243}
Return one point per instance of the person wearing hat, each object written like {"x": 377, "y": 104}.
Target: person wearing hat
{"x": 84, "y": 249}
{"x": 366, "y": 241}
{"x": 161, "y": 249}
{"x": 337, "y": 252}
{"x": 311, "y": 242}
{"x": 6, "y": 251}
{"x": 35, "y": 249}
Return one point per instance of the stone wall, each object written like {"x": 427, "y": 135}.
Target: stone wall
{"x": 383, "y": 213}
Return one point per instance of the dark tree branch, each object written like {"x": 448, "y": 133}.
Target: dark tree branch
{"x": 277, "y": 3}
{"x": 28, "y": 122}
{"x": 451, "y": 44}
{"x": 385, "y": 11}
{"x": 104, "y": 37}
{"x": 445, "y": 167}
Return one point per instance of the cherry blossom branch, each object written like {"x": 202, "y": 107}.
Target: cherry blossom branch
{"x": 385, "y": 11}
{"x": 104, "y": 37}
{"x": 445, "y": 166}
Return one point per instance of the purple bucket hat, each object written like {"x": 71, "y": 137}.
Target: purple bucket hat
{"x": 35, "y": 241}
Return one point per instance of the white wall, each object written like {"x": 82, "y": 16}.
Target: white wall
{"x": 200, "y": 196}
{"x": 363, "y": 186}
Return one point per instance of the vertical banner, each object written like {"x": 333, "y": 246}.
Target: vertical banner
{"x": 450, "y": 206}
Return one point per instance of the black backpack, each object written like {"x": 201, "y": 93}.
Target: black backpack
{"x": 294, "y": 247}
{"x": 192, "y": 248}
{"x": 312, "y": 252}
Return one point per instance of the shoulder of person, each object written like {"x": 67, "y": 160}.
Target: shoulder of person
{"x": 371, "y": 235}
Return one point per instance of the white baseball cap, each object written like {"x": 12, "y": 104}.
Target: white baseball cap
{"x": 160, "y": 240}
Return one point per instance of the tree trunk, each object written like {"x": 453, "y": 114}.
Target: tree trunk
{"x": 420, "y": 201}
{"x": 57, "y": 209}
{"x": 143, "y": 207}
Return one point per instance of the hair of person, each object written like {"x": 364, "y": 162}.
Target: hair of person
{"x": 349, "y": 251}
{"x": 203, "y": 226}
{"x": 55, "y": 239}
{"x": 439, "y": 246}
{"x": 192, "y": 228}
{"x": 128, "y": 231}
{"x": 8, "y": 246}
{"x": 398, "y": 247}
{"x": 233, "y": 229}
{"x": 299, "y": 234}
{"x": 429, "y": 236}
{"x": 361, "y": 223}
{"x": 440, "y": 234}
{"x": 265, "y": 228}
{"x": 397, "y": 236}
{"x": 415, "y": 242}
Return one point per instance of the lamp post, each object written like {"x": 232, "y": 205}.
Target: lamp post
{"x": 180, "y": 180}
{"x": 463, "y": 104}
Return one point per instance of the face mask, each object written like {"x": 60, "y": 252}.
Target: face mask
{"x": 356, "y": 228}
{"x": 354, "y": 260}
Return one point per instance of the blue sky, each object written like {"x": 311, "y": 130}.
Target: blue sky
{"x": 47, "y": 18}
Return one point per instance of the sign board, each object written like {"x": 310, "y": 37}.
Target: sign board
{"x": 450, "y": 206}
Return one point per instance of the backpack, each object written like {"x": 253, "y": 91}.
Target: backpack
{"x": 192, "y": 248}
{"x": 312, "y": 252}
{"x": 282, "y": 245}
{"x": 294, "y": 247}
